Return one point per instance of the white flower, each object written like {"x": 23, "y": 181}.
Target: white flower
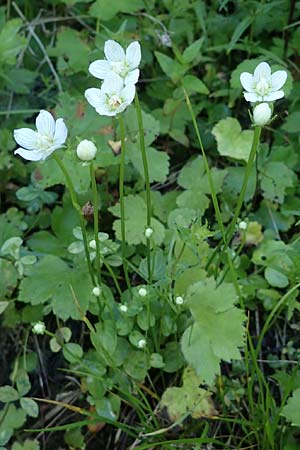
{"x": 38, "y": 145}
{"x": 262, "y": 114}
{"x": 86, "y": 150}
{"x": 96, "y": 291}
{"x": 142, "y": 292}
{"x": 263, "y": 86}
{"x": 123, "y": 308}
{"x": 179, "y": 300}
{"x": 39, "y": 328}
{"x": 141, "y": 343}
{"x": 148, "y": 232}
{"x": 118, "y": 62}
{"x": 112, "y": 98}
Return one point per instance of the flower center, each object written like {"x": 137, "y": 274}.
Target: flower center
{"x": 44, "y": 141}
{"x": 114, "y": 102}
{"x": 262, "y": 87}
{"x": 121, "y": 68}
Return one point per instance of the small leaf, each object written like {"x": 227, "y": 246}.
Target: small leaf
{"x": 193, "y": 84}
{"x": 72, "y": 352}
{"x": 23, "y": 383}
{"x": 8, "y": 394}
{"x": 30, "y": 406}
{"x": 193, "y": 50}
{"x": 291, "y": 411}
{"x": 171, "y": 67}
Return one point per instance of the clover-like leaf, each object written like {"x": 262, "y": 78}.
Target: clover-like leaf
{"x": 231, "y": 140}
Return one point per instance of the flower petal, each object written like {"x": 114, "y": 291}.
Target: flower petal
{"x": 278, "y": 79}
{"x": 273, "y": 96}
{"x": 30, "y": 155}
{"x": 133, "y": 54}
{"x": 252, "y": 97}
{"x": 104, "y": 111}
{"x": 113, "y": 51}
{"x": 61, "y": 132}
{"x": 247, "y": 81}
{"x": 128, "y": 94}
{"x": 26, "y": 137}
{"x": 99, "y": 68}
{"x": 45, "y": 123}
{"x": 132, "y": 77}
{"x": 112, "y": 85}
{"x": 94, "y": 96}
{"x": 263, "y": 70}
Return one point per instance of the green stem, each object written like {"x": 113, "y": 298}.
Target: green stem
{"x": 254, "y": 148}
{"x": 122, "y": 203}
{"x": 214, "y": 197}
{"x": 79, "y": 212}
{"x": 96, "y": 221}
{"x": 147, "y": 179}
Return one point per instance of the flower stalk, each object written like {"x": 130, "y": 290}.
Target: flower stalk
{"x": 96, "y": 221}
{"x": 147, "y": 180}
{"x": 122, "y": 202}
{"x": 79, "y": 212}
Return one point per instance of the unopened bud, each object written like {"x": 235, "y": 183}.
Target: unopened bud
{"x": 179, "y": 300}
{"x": 86, "y": 150}
{"x": 142, "y": 292}
{"x": 148, "y": 232}
{"x": 96, "y": 291}
{"x": 123, "y": 308}
{"x": 92, "y": 244}
{"x": 243, "y": 225}
{"x": 141, "y": 343}
{"x": 262, "y": 114}
{"x": 39, "y": 328}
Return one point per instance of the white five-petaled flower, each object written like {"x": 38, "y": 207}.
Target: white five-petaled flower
{"x": 112, "y": 98}
{"x": 123, "y": 64}
{"x": 263, "y": 86}
{"x": 38, "y": 145}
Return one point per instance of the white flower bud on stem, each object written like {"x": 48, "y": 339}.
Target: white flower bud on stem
{"x": 92, "y": 244}
{"x": 148, "y": 232}
{"x": 179, "y": 300}
{"x": 39, "y": 328}
{"x": 96, "y": 291}
{"x": 243, "y": 225}
{"x": 86, "y": 150}
{"x": 142, "y": 292}
{"x": 141, "y": 343}
{"x": 262, "y": 114}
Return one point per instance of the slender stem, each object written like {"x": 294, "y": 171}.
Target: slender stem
{"x": 272, "y": 315}
{"x": 147, "y": 178}
{"x": 122, "y": 203}
{"x": 214, "y": 198}
{"x": 230, "y": 231}
{"x": 255, "y": 144}
{"x": 96, "y": 221}
{"x": 79, "y": 212}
